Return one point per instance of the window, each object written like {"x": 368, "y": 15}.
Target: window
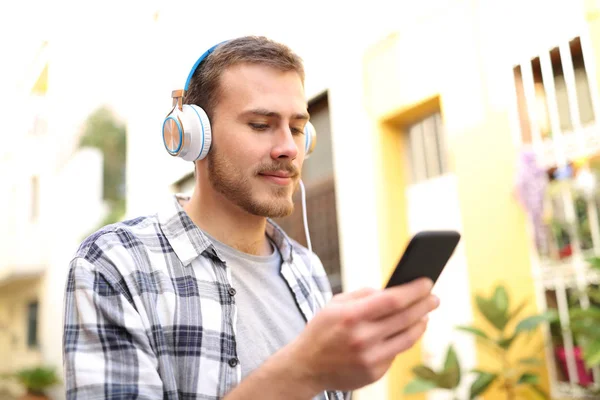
{"x": 582, "y": 86}
{"x": 427, "y": 149}
{"x": 32, "y": 324}
{"x": 567, "y": 78}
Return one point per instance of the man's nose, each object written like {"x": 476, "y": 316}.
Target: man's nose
{"x": 285, "y": 146}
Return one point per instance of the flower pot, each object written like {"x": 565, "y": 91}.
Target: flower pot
{"x": 584, "y": 375}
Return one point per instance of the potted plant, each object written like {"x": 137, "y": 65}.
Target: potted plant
{"x": 514, "y": 377}
{"x": 585, "y": 322}
{"x": 562, "y": 238}
{"x": 584, "y": 374}
{"x": 36, "y": 381}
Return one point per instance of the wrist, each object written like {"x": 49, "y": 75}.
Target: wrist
{"x": 292, "y": 368}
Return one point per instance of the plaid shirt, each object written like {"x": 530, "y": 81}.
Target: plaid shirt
{"x": 150, "y": 311}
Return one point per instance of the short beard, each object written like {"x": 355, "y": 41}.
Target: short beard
{"x": 235, "y": 185}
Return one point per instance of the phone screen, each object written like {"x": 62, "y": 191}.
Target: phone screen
{"x": 426, "y": 255}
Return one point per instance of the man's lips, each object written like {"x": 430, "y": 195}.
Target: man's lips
{"x": 279, "y": 174}
{"x": 278, "y": 177}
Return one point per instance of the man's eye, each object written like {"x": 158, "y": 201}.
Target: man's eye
{"x": 259, "y": 127}
{"x": 297, "y": 131}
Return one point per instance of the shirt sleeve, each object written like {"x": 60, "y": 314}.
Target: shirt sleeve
{"x": 107, "y": 353}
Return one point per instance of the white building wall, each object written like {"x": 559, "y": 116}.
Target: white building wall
{"x": 70, "y": 206}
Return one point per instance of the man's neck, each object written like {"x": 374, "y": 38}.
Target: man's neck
{"x": 228, "y": 223}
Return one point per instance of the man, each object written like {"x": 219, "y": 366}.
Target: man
{"x": 209, "y": 299}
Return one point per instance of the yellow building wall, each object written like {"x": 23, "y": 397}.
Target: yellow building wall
{"x": 406, "y": 75}
{"x": 14, "y": 352}
{"x": 14, "y": 298}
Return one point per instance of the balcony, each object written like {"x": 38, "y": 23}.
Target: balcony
{"x": 558, "y": 108}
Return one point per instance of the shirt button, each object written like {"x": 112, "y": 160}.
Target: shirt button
{"x": 232, "y": 291}
{"x": 233, "y": 362}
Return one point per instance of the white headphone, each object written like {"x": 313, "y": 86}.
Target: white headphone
{"x": 186, "y": 130}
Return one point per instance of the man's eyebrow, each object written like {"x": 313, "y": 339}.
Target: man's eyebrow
{"x": 262, "y": 112}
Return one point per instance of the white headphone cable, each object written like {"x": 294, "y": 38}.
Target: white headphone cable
{"x": 309, "y": 246}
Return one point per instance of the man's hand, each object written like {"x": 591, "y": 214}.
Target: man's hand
{"x": 349, "y": 344}
{"x": 354, "y": 339}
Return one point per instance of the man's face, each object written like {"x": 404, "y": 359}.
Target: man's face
{"x": 258, "y": 139}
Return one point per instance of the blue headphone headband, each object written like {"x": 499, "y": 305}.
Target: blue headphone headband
{"x": 202, "y": 57}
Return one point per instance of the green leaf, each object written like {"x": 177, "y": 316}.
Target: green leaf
{"x": 528, "y": 378}
{"x": 517, "y": 310}
{"x": 449, "y": 379}
{"x": 425, "y": 373}
{"x": 474, "y": 331}
{"x": 530, "y": 361}
{"x": 451, "y": 359}
{"x": 481, "y": 383}
{"x": 585, "y": 329}
{"x": 531, "y": 323}
{"x": 580, "y": 313}
{"x": 594, "y": 262}
{"x": 506, "y": 342}
{"x": 500, "y": 299}
{"x": 591, "y": 354}
{"x": 491, "y": 313}
{"x": 418, "y": 385}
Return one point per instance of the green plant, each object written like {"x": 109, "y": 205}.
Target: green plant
{"x": 583, "y": 223}
{"x": 105, "y": 132}
{"x": 448, "y": 378}
{"x": 512, "y": 376}
{"x": 585, "y": 323}
{"x": 36, "y": 380}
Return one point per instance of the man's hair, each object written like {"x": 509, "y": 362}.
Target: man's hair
{"x": 204, "y": 88}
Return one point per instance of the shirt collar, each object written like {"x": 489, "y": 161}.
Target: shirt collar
{"x": 188, "y": 241}
{"x": 281, "y": 240}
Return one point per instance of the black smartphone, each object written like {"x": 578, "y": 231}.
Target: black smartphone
{"x": 425, "y": 256}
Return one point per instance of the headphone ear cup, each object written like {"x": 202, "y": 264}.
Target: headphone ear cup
{"x": 172, "y": 133}
{"x": 310, "y": 139}
{"x": 197, "y": 133}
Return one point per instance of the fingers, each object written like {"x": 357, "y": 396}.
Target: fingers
{"x": 399, "y": 343}
{"x": 394, "y": 324}
{"x": 355, "y": 295}
{"x": 391, "y": 301}
{"x": 385, "y": 328}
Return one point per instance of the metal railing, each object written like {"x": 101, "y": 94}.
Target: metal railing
{"x": 560, "y": 279}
